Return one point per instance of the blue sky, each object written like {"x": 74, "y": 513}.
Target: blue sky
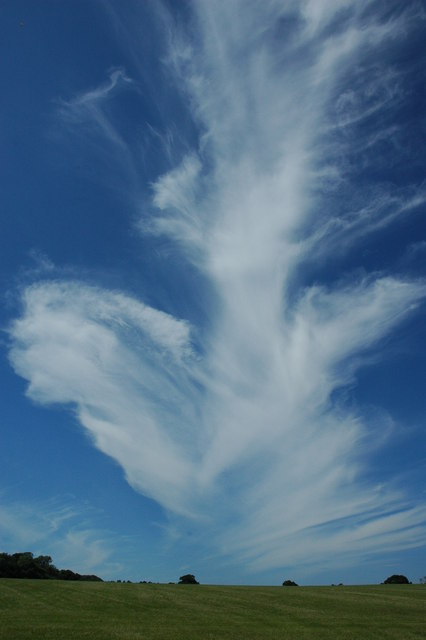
{"x": 213, "y": 288}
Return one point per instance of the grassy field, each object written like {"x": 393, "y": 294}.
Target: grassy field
{"x": 72, "y": 610}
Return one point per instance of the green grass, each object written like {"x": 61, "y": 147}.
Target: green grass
{"x": 72, "y": 610}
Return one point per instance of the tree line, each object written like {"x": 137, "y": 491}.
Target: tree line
{"x": 25, "y": 565}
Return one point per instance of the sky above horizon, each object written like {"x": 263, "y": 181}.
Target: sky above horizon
{"x": 213, "y": 286}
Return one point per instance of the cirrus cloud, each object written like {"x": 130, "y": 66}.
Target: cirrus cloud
{"x": 237, "y": 424}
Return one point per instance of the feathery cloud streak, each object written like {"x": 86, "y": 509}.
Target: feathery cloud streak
{"x": 90, "y": 107}
{"x": 235, "y": 423}
{"x": 65, "y": 531}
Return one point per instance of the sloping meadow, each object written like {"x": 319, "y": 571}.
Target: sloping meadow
{"x": 52, "y": 609}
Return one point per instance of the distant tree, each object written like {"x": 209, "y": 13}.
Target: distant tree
{"x": 396, "y": 579}
{"x": 188, "y": 579}
{"x": 289, "y": 583}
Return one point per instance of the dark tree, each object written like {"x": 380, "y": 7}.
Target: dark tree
{"x": 25, "y": 565}
{"x": 289, "y": 583}
{"x": 188, "y": 579}
{"x": 397, "y": 579}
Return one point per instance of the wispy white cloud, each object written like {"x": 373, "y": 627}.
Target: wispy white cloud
{"x": 237, "y": 427}
{"x": 175, "y": 194}
{"x": 88, "y": 108}
{"x": 63, "y": 531}
{"x": 105, "y": 144}
{"x": 102, "y": 351}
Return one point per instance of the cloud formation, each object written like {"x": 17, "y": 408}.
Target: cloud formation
{"x": 63, "y": 531}
{"x": 89, "y": 108}
{"x": 237, "y": 423}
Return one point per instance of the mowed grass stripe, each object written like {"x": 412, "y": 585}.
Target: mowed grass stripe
{"x": 71, "y": 610}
